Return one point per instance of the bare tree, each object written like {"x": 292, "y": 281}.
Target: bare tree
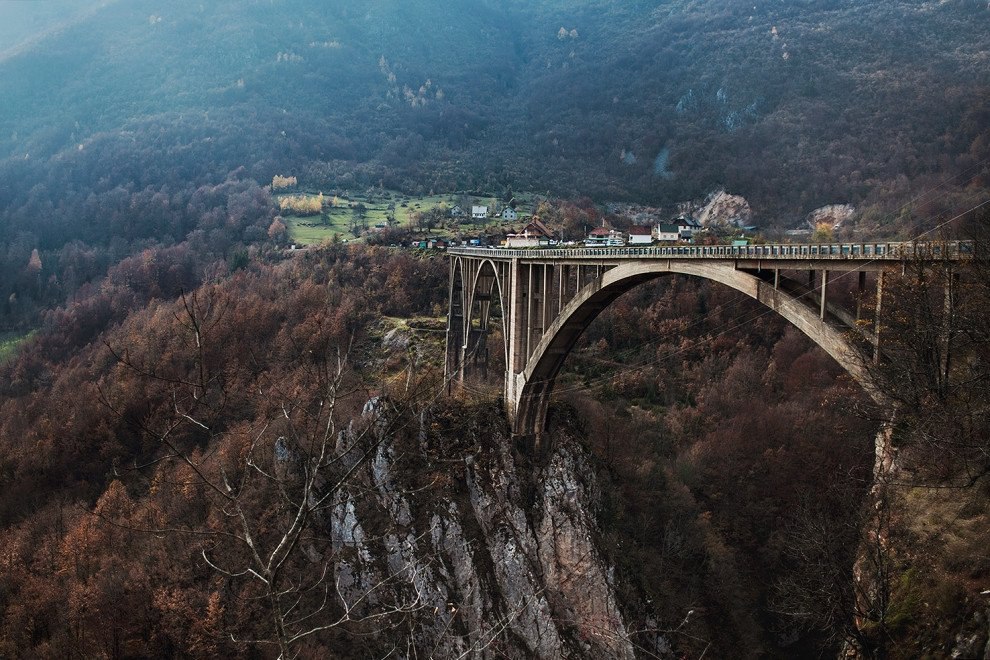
{"x": 836, "y": 572}
{"x": 359, "y": 218}
{"x": 935, "y": 368}
{"x": 268, "y": 490}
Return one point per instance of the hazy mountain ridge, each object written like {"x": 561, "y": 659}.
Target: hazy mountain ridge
{"x": 793, "y": 106}
{"x": 26, "y": 23}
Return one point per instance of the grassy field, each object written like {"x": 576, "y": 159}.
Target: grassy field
{"x": 10, "y": 342}
{"x": 310, "y": 230}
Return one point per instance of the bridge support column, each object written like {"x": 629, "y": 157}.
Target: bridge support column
{"x": 824, "y": 296}
{"x": 453, "y": 361}
{"x": 528, "y": 318}
{"x": 861, "y": 293}
{"x": 877, "y": 323}
{"x": 948, "y": 319}
{"x": 549, "y": 296}
{"x": 516, "y": 328}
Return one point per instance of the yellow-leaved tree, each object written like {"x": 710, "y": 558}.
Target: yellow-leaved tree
{"x": 280, "y": 182}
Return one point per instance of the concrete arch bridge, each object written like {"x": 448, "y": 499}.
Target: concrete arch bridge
{"x": 549, "y": 296}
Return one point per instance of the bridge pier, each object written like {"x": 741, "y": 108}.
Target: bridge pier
{"x": 455, "y": 326}
{"x": 824, "y": 295}
{"x": 948, "y": 325}
{"x": 878, "y": 318}
{"x": 861, "y": 291}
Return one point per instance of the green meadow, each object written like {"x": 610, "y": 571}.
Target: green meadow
{"x": 10, "y": 342}
{"x": 380, "y": 207}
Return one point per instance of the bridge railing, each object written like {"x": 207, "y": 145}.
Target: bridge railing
{"x": 937, "y": 250}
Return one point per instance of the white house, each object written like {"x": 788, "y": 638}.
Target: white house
{"x": 640, "y": 235}
{"x": 509, "y": 213}
{"x": 479, "y": 212}
{"x": 667, "y": 232}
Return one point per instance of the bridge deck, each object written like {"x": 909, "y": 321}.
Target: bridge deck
{"x": 810, "y": 252}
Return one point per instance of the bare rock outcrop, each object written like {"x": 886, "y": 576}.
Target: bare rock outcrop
{"x": 833, "y": 215}
{"x": 723, "y": 209}
{"x": 503, "y": 560}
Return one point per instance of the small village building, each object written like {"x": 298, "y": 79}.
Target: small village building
{"x": 668, "y": 232}
{"x": 509, "y": 213}
{"x": 535, "y": 234}
{"x": 456, "y": 212}
{"x": 604, "y": 237}
{"x": 479, "y": 212}
{"x": 687, "y": 227}
{"x": 640, "y": 235}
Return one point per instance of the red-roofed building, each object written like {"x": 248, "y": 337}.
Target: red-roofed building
{"x": 604, "y": 237}
{"x": 535, "y": 234}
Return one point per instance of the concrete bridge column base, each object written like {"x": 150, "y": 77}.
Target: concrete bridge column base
{"x": 527, "y": 406}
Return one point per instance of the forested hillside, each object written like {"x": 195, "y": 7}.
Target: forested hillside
{"x": 701, "y": 489}
{"x": 106, "y": 524}
{"x": 794, "y": 105}
{"x": 115, "y": 122}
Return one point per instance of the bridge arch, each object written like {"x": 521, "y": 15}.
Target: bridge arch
{"x": 528, "y": 393}
{"x": 476, "y": 286}
{"x": 455, "y": 318}
{"x": 486, "y": 288}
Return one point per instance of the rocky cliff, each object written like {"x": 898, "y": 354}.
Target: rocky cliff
{"x": 496, "y": 547}
{"x": 724, "y": 209}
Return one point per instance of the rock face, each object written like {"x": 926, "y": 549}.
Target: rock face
{"x": 834, "y": 215}
{"x": 499, "y": 555}
{"x": 974, "y": 640}
{"x": 723, "y": 209}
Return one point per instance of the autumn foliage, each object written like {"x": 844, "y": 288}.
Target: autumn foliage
{"x": 720, "y": 434}
{"x": 81, "y": 571}
{"x": 281, "y": 182}
{"x": 301, "y": 204}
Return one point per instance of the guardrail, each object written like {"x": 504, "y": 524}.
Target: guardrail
{"x": 948, "y": 250}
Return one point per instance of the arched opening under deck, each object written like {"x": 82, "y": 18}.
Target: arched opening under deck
{"x": 528, "y": 393}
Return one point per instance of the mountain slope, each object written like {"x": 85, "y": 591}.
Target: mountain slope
{"x": 793, "y": 105}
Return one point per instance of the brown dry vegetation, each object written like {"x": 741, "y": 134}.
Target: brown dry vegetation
{"x": 723, "y": 440}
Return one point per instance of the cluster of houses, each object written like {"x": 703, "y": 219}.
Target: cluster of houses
{"x": 481, "y": 213}
{"x": 536, "y": 234}
{"x": 681, "y": 228}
